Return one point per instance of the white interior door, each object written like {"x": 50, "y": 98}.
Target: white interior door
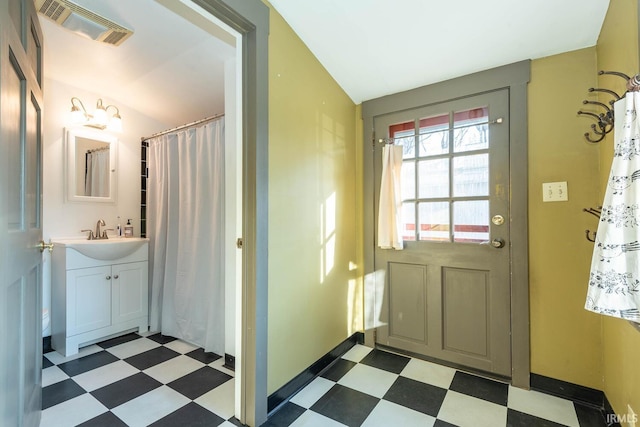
{"x": 20, "y": 213}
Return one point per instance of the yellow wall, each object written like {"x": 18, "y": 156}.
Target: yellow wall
{"x": 313, "y": 293}
{"x": 618, "y": 50}
{"x": 565, "y": 339}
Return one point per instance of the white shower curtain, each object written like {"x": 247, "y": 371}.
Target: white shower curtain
{"x": 96, "y": 183}
{"x": 614, "y": 282}
{"x": 186, "y": 231}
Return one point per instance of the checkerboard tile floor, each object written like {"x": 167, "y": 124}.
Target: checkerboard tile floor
{"x": 137, "y": 381}
{"x": 160, "y": 381}
{"x": 374, "y": 388}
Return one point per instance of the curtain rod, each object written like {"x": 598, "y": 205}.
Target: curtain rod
{"x": 186, "y": 125}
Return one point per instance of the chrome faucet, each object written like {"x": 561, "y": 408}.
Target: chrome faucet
{"x": 99, "y": 235}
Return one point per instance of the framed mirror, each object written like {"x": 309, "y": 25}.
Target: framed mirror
{"x": 91, "y": 165}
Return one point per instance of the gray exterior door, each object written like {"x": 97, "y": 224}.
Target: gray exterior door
{"x": 447, "y": 293}
{"x": 20, "y": 214}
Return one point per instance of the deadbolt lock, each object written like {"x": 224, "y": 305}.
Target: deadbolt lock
{"x": 497, "y": 219}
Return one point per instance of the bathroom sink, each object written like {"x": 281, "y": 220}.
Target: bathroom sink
{"x": 106, "y": 250}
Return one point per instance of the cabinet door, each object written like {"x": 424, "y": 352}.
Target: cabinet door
{"x": 130, "y": 291}
{"x": 88, "y": 299}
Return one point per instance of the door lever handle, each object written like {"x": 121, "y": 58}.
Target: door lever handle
{"x": 497, "y": 243}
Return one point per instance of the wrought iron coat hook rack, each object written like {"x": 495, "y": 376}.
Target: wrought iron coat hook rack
{"x": 591, "y": 235}
{"x": 605, "y": 118}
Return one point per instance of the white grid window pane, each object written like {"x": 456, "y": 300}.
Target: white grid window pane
{"x": 408, "y": 182}
{"x": 471, "y": 175}
{"x": 471, "y": 221}
{"x": 433, "y": 177}
{"x": 434, "y": 143}
{"x": 409, "y": 221}
{"x": 434, "y": 221}
{"x": 471, "y": 138}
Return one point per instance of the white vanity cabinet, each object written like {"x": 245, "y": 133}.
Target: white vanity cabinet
{"x": 94, "y": 299}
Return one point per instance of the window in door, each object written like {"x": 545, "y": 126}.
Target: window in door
{"x": 445, "y": 176}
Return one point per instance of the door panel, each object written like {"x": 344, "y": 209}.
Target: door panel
{"x": 447, "y": 293}
{"x": 465, "y": 291}
{"x": 407, "y": 305}
{"x": 20, "y": 213}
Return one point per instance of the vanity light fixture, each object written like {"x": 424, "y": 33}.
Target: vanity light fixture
{"x": 100, "y": 119}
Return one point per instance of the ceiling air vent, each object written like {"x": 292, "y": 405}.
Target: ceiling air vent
{"x": 82, "y": 21}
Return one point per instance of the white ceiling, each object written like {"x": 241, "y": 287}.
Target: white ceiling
{"x": 173, "y": 70}
{"x": 169, "y": 69}
{"x": 379, "y": 47}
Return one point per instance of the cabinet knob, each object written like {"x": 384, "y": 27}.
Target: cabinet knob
{"x": 116, "y": 276}
{"x": 108, "y": 277}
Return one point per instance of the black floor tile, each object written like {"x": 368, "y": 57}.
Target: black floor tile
{"x": 151, "y": 357}
{"x": 87, "y": 363}
{"x": 385, "y": 360}
{"x": 119, "y": 340}
{"x": 440, "y": 423}
{"x": 161, "y": 339}
{"x": 285, "y": 416}
{"x": 421, "y": 397}
{"x": 203, "y": 356}
{"x": 192, "y": 415}
{"x": 338, "y": 369}
{"x": 482, "y": 388}
{"x": 345, "y": 405}
{"x": 46, "y": 363}
{"x": 108, "y": 419}
{"x": 199, "y": 382}
{"x": 589, "y": 417}
{"x": 520, "y": 419}
{"x": 235, "y": 422}
{"x": 60, "y": 392}
{"x": 124, "y": 390}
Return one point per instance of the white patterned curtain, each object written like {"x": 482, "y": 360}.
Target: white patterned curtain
{"x": 614, "y": 282}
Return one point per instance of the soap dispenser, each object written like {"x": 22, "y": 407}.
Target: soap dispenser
{"x": 128, "y": 229}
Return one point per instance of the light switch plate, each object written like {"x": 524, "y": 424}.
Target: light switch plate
{"x": 555, "y": 192}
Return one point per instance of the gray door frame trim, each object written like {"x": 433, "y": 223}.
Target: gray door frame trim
{"x": 251, "y": 19}
{"x": 513, "y": 77}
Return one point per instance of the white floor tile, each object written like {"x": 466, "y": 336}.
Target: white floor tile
{"x": 312, "y": 392}
{"x": 105, "y": 375}
{"x": 220, "y": 400}
{"x": 150, "y": 407}
{"x": 387, "y": 414}
{"x": 52, "y": 375}
{"x": 467, "y": 411}
{"x": 313, "y": 419}
{"x": 218, "y": 364}
{"x": 58, "y": 358}
{"x": 367, "y": 379}
{"x": 173, "y": 369}
{"x": 430, "y": 373}
{"x": 181, "y": 346}
{"x": 543, "y": 405}
{"x": 72, "y": 412}
{"x": 357, "y": 353}
{"x": 131, "y": 348}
